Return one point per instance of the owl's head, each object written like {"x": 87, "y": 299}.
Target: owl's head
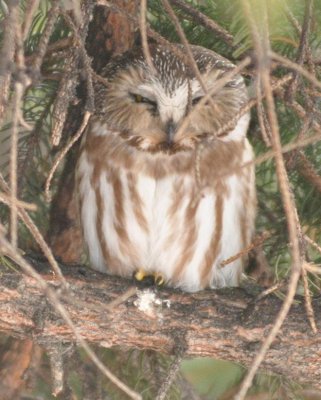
{"x": 147, "y": 106}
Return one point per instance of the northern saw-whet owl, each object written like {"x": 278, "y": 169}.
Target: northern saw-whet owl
{"x": 140, "y": 205}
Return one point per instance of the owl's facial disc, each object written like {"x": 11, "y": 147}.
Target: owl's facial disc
{"x": 148, "y": 108}
{"x": 149, "y": 102}
{"x": 167, "y": 107}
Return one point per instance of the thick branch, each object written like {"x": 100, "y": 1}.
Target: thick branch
{"x": 226, "y": 324}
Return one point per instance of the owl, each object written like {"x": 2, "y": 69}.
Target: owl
{"x": 142, "y": 208}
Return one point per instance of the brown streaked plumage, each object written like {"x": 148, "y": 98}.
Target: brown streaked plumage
{"x": 141, "y": 207}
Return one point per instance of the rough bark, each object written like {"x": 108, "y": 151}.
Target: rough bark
{"x": 227, "y": 324}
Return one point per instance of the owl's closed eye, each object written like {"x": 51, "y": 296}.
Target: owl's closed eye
{"x": 139, "y": 199}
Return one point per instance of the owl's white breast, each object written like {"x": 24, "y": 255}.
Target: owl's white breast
{"x": 168, "y": 204}
{"x": 164, "y": 224}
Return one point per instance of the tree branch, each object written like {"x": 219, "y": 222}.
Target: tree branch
{"x": 226, "y": 324}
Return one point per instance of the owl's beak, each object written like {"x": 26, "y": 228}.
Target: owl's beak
{"x": 170, "y": 131}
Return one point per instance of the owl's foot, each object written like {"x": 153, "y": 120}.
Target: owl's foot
{"x": 154, "y": 278}
{"x": 158, "y": 279}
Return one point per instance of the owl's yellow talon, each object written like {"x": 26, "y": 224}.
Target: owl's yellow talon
{"x": 153, "y": 277}
{"x": 159, "y": 279}
{"x": 140, "y": 275}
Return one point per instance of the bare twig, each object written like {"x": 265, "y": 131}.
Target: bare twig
{"x": 292, "y": 65}
{"x": 7, "y": 54}
{"x": 55, "y": 355}
{"x": 303, "y": 114}
{"x": 203, "y": 20}
{"x": 302, "y": 47}
{"x": 171, "y": 375}
{"x": 44, "y": 40}
{"x": 270, "y": 290}
{"x": 293, "y": 157}
{"x": 143, "y": 33}
{"x": 19, "y": 88}
{"x": 197, "y": 169}
{"x": 64, "y": 151}
{"x": 306, "y": 169}
{"x": 262, "y": 48}
{"x": 6, "y": 57}
{"x": 265, "y": 129}
{"x": 258, "y": 241}
{"x": 312, "y": 268}
{"x": 296, "y": 144}
{"x": 31, "y": 7}
{"x": 4, "y": 198}
{"x": 312, "y": 243}
{"x": 120, "y": 299}
{"x": 307, "y": 300}
{"x": 173, "y": 370}
{"x": 52, "y": 48}
{"x": 292, "y": 18}
{"x": 13, "y": 163}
